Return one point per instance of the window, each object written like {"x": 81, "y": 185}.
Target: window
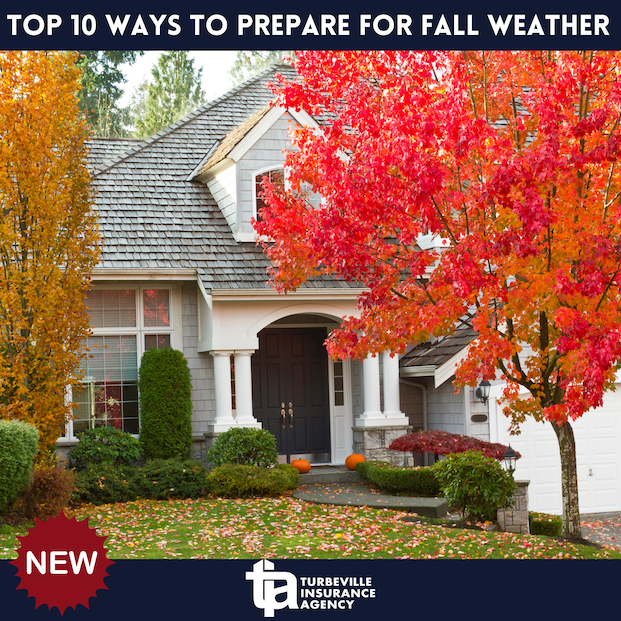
{"x": 233, "y": 399}
{"x": 339, "y": 390}
{"x": 109, "y": 395}
{"x": 275, "y": 176}
{"x": 112, "y": 309}
{"x": 125, "y": 323}
{"x": 156, "y": 308}
{"x": 156, "y": 341}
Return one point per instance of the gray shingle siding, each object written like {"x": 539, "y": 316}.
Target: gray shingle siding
{"x": 200, "y": 365}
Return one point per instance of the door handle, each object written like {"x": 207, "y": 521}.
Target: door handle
{"x": 283, "y": 415}
{"x": 290, "y": 414}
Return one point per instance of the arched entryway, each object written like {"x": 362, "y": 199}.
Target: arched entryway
{"x": 291, "y": 393}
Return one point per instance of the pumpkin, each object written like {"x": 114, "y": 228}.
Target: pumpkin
{"x": 302, "y": 465}
{"x": 352, "y": 460}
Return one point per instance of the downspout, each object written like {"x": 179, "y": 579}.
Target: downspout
{"x": 425, "y": 415}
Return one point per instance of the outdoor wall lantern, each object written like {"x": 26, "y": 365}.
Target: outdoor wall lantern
{"x": 510, "y": 457}
{"x": 482, "y": 392}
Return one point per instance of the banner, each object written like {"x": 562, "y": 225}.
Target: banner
{"x": 365, "y": 590}
{"x": 345, "y": 25}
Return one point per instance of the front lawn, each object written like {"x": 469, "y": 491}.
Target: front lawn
{"x": 287, "y": 528}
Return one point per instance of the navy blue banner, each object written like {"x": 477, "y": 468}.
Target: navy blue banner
{"x": 294, "y": 589}
{"x": 281, "y": 25}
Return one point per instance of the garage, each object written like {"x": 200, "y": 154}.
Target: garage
{"x": 598, "y": 438}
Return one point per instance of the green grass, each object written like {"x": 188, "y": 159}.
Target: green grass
{"x": 287, "y": 528}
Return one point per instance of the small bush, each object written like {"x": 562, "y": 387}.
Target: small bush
{"x": 545, "y": 524}
{"x": 104, "y": 445}
{"x": 48, "y": 493}
{"x": 160, "y": 479}
{"x": 105, "y": 483}
{"x": 419, "y": 481}
{"x": 18, "y": 447}
{"x": 165, "y": 389}
{"x": 244, "y": 446}
{"x": 238, "y": 481}
{"x": 475, "y": 485}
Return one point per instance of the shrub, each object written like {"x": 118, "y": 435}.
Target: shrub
{"x": 160, "y": 479}
{"x": 165, "y": 404}
{"x": 104, "y": 445}
{"x": 18, "y": 447}
{"x": 418, "y": 481}
{"x": 48, "y": 493}
{"x": 238, "y": 481}
{"x": 545, "y": 524}
{"x": 244, "y": 446}
{"x": 105, "y": 483}
{"x": 475, "y": 485}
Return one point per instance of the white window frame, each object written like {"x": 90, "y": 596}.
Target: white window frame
{"x": 140, "y": 330}
{"x": 261, "y": 173}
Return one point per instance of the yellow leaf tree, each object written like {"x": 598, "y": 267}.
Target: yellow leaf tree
{"x": 48, "y": 238}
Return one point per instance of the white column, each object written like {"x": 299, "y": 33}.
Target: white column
{"x": 222, "y": 386}
{"x": 372, "y": 414}
{"x": 243, "y": 390}
{"x": 392, "y": 402}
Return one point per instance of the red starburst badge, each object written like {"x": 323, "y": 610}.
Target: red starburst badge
{"x": 62, "y": 563}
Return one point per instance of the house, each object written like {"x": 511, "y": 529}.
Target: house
{"x": 180, "y": 268}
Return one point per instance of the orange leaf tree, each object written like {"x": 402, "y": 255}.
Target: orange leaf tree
{"x": 48, "y": 238}
{"x": 510, "y": 161}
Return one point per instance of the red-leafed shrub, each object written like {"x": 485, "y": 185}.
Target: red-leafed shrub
{"x": 47, "y": 495}
{"x": 443, "y": 443}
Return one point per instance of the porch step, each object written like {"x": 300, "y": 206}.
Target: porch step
{"x": 329, "y": 474}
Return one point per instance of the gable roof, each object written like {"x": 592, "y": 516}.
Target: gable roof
{"x": 437, "y": 359}
{"x": 232, "y": 139}
{"x": 153, "y": 217}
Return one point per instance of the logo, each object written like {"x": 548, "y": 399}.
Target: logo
{"x": 316, "y": 592}
{"x": 62, "y": 563}
{"x": 265, "y": 591}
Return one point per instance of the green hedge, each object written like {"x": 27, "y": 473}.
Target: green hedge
{"x": 105, "y": 483}
{"x": 419, "y": 481}
{"x": 238, "y": 481}
{"x": 18, "y": 447}
{"x": 245, "y": 446}
{"x": 165, "y": 389}
{"x": 545, "y": 524}
{"x": 159, "y": 479}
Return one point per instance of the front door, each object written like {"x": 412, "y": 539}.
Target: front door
{"x": 290, "y": 391}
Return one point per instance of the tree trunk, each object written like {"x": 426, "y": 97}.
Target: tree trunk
{"x": 569, "y": 480}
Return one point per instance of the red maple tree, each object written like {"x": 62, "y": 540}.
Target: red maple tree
{"x": 509, "y": 163}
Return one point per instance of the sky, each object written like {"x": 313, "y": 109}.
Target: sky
{"x": 216, "y": 65}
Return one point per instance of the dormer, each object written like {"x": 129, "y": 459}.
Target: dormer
{"x": 235, "y": 167}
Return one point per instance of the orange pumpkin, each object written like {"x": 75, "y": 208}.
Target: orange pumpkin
{"x": 352, "y": 460}
{"x": 302, "y": 465}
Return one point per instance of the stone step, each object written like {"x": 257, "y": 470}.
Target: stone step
{"x": 329, "y": 474}
{"x": 357, "y": 494}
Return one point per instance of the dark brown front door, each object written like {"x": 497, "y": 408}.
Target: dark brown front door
{"x": 290, "y": 391}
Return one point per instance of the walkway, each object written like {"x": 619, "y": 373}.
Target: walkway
{"x": 339, "y": 486}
